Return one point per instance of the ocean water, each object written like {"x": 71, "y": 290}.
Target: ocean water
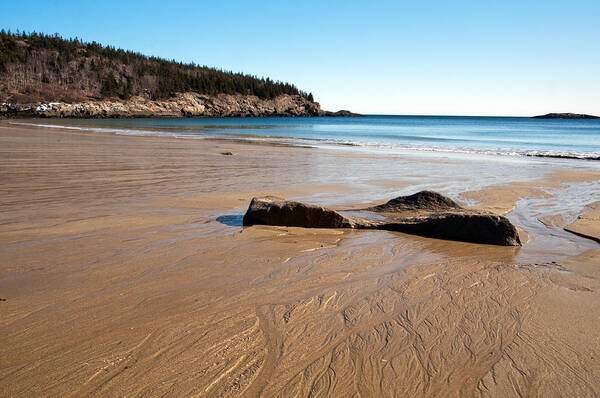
{"x": 510, "y": 136}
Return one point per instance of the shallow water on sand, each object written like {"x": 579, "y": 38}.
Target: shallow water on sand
{"x": 366, "y": 175}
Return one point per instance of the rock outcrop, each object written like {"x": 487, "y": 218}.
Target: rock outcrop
{"x": 425, "y": 213}
{"x": 342, "y": 113}
{"x": 566, "y": 116}
{"x": 420, "y": 201}
{"x": 180, "y": 105}
{"x": 270, "y": 210}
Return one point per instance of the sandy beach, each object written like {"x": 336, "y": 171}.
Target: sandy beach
{"x": 125, "y": 272}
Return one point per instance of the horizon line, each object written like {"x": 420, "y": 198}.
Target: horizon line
{"x": 457, "y": 115}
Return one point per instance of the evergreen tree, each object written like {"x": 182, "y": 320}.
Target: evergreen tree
{"x": 103, "y": 70}
{"x": 109, "y": 86}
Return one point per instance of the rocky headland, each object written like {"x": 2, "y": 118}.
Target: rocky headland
{"x": 188, "y": 104}
{"x": 50, "y": 76}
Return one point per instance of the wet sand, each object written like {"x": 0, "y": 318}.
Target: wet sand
{"x": 125, "y": 271}
{"x": 588, "y": 223}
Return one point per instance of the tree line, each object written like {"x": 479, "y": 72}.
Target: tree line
{"x": 41, "y": 65}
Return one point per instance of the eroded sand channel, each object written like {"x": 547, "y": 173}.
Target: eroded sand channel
{"x": 119, "y": 280}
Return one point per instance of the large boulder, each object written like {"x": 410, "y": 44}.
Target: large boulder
{"x": 463, "y": 226}
{"x": 431, "y": 214}
{"x": 270, "y": 210}
{"x": 425, "y": 213}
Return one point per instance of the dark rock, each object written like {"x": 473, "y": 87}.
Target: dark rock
{"x": 566, "y": 116}
{"x": 431, "y": 214}
{"x": 424, "y": 200}
{"x": 425, "y": 213}
{"x": 270, "y": 210}
{"x": 342, "y": 113}
{"x": 227, "y": 153}
{"x": 466, "y": 226}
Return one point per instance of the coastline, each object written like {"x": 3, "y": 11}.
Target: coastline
{"x": 131, "y": 247}
{"x": 187, "y": 104}
{"x": 324, "y": 133}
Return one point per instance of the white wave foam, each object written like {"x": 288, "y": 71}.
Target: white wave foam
{"x": 549, "y": 154}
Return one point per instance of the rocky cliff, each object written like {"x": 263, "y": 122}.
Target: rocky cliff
{"x": 180, "y": 105}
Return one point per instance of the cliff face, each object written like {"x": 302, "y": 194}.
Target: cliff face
{"x": 180, "y": 105}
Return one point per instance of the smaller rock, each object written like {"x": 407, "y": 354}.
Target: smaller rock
{"x": 422, "y": 201}
{"x": 227, "y": 153}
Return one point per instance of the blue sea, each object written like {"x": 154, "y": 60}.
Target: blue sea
{"x": 510, "y": 136}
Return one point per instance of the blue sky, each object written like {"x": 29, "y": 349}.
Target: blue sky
{"x": 393, "y": 57}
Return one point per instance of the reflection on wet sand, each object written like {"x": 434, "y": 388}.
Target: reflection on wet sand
{"x": 125, "y": 272}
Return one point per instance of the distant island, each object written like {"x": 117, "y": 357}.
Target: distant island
{"x": 566, "y": 116}
{"x": 49, "y": 76}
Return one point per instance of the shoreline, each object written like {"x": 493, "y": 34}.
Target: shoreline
{"x": 485, "y": 199}
{"x": 301, "y": 141}
{"x": 125, "y": 273}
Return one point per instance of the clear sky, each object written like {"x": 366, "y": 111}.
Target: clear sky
{"x": 510, "y": 57}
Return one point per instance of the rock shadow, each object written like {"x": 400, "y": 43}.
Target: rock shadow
{"x": 232, "y": 220}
